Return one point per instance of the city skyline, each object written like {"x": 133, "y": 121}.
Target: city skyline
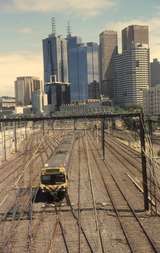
{"x": 23, "y": 28}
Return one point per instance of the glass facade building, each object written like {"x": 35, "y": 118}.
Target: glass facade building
{"x": 92, "y": 62}
{"x": 83, "y": 67}
{"x": 55, "y": 58}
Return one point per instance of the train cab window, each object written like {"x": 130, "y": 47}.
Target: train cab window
{"x": 53, "y": 179}
{"x": 60, "y": 178}
{"x": 46, "y": 179}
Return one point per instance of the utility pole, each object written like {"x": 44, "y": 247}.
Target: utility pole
{"x": 43, "y": 128}
{"x": 144, "y": 163}
{"x": 102, "y": 138}
{"x": 26, "y": 130}
{"x": 150, "y": 128}
{"x": 97, "y": 132}
{"x": 152, "y": 167}
{"x": 52, "y": 124}
{"x": 4, "y": 141}
{"x": 74, "y": 124}
{"x": 15, "y": 137}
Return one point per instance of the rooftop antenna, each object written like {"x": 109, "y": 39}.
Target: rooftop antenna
{"x": 53, "y": 26}
{"x": 68, "y": 29}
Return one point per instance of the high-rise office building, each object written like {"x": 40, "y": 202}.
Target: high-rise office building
{"x": 73, "y": 45}
{"x": 58, "y": 94}
{"x": 92, "y": 63}
{"x": 83, "y": 69}
{"x": 108, "y": 48}
{"x": 24, "y": 87}
{"x": 132, "y": 67}
{"x": 38, "y": 101}
{"x": 73, "y": 42}
{"x": 55, "y": 58}
{"x": 151, "y": 103}
{"x": 155, "y": 72}
{"x": 131, "y": 75}
{"x": 134, "y": 34}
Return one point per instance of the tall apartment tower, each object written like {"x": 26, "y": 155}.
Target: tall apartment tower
{"x": 108, "y": 49}
{"x": 131, "y": 75}
{"x": 24, "y": 88}
{"x": 134, "y": 34}
{"x": 132, "y": 67}
{"x": 55, "y": 58}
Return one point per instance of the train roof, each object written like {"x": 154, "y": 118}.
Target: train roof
{"x": 52, "y": 170}
{"x": 60, "y": 158}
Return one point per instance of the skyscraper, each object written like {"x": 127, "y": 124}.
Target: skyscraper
{"x": 108, "y": 48}
{"x": 131, "y": 75}
{"x": 24, "y": 87}
{"x": 73, "y": 45}
{"x": 132, "y": 67}
{"x": 83, "y": 69}
{"x": 134, "y": 34}
{"x": 55, "y": 58}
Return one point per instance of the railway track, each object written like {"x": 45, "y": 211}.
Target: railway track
{"x": 24, "y": 205}
{"x": 9, "y": 183}
{"x": 79, "y": 198}
{"x": 52, "y": 223}
{"x": 33, "y": 229}
{"x": 76, "y": 213}
{"x": 28, "y": 157}
{"x": 123, "y": 158}
{"x": 58, "y": 215}
{"x": 99, "y": 234}
{"x": 140, "y": 241}
{"x": 129, "y": 158}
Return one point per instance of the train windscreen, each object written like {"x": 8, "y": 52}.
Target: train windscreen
{"x": 53, "y": 179}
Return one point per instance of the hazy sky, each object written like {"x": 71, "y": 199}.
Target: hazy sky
{"x": 24, "y": 23}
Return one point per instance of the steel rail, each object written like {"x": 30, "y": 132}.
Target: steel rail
{"x": 14, "y": 226}
{"x": 113, "y": 203}
{"x": 58, "y": 138}
{"x": 73, "y": 211}
{"x": 52, "y": 241}
{"x": 122, "y": 144}
{"x": 130, "y": 151}
{"x": 7, "y": 240}
{"x": 82, "y": 229}
{"x": 79, "y": 198}
{"x": 11, "y": 162}
{"x": 62, "y": 228}
{"x": 117, "y": 183}
{"x": 119, "y": 155}
{"x": 85, "y": 144}
{"x": 35, "y": 228}
{"x": 13, "y": 186}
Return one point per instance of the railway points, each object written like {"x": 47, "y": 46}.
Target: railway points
{"x": 102, "y": 210}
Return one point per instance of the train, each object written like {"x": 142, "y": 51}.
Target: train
{"x": 54, "y": 179}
